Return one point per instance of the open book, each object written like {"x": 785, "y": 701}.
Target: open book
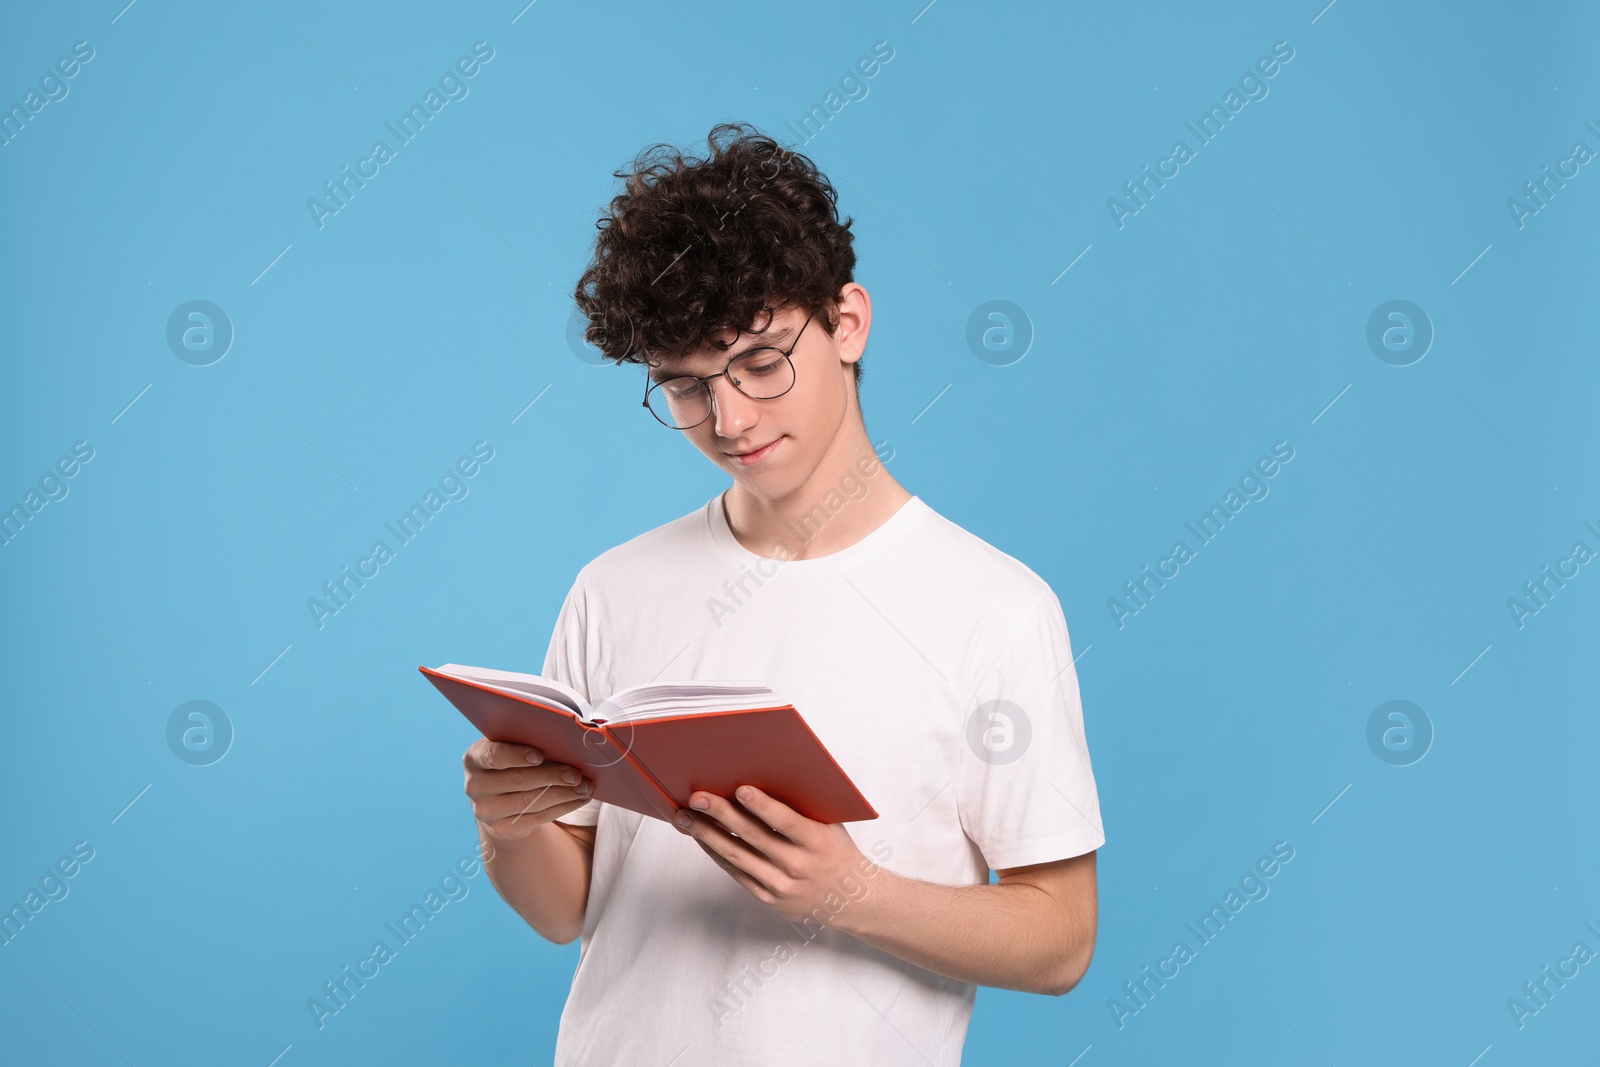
{"x": 647, "y": 747}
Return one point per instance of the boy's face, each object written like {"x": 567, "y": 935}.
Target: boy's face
{"x": 772, "y": 447}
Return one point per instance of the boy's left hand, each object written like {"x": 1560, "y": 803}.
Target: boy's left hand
{"x": 788, "y": 862}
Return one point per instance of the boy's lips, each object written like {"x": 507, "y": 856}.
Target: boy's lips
{"x": 756, "y": 456}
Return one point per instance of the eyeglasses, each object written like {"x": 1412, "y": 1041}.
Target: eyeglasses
{"x": 685, "y": 401}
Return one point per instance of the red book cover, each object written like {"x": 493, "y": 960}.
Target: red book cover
{"x": 652, "y": 765}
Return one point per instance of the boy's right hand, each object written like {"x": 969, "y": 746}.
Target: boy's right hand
{"x": 514, "y": 791}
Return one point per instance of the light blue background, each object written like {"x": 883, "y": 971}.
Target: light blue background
{"x": 426, "y": 315}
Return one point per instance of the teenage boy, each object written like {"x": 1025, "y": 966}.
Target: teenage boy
{"x": 935, "y": 668}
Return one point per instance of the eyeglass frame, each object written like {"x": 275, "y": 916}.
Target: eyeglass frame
{"x": 711, "y": 396}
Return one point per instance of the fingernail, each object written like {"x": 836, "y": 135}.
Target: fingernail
{"x": 701, "y": 802}
{"x": 569, "y": 776}
{"x": 681, "y": 820}
{"x": 584, "y": 787}
{"x": 535, "y": 757}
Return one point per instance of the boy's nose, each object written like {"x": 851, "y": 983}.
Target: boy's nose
{"x": 732, "y": 411}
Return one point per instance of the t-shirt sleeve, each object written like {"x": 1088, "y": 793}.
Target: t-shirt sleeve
{"x": 564, "y": 662}
{"x": 1025, "y": 788}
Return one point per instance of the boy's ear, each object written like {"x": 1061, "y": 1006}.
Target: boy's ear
{"x": 854, "y": 308}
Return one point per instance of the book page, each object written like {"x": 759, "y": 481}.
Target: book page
{"x": 529, "y": 685}
{"x": 658, "y": 699}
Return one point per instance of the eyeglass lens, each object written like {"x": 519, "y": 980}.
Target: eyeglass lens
{"x": 685, "y": 401}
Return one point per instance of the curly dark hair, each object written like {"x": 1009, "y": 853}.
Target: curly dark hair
{"x": 695, "y": 247}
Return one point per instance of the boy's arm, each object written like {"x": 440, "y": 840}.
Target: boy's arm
{"x": 1034, "y": 932}
{"x": 540, "y": 867}
{"x": 544, "y": 876}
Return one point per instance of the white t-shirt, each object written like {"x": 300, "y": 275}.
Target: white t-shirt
{"x": 896, "y": 651}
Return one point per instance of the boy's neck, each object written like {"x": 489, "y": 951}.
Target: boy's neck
{"x": 836, "y": 507}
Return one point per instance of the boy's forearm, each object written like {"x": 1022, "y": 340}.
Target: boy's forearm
{"x": 1012, "y": 936}
{"x": 544, "y": 877}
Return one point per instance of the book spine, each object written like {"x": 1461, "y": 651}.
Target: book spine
{"x": 668, "y": 805}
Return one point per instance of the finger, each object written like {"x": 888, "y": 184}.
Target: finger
{"x": 499, "y": 803}
{"x": 530, "y": 802}
{"x": 521, "y": 823}
{"x": 757, "y": 888}
{"x": 499, "y": 755}
{"x": 518, "y": 825}
{"x": 522, "y": 779}
{"x": 711, "y": 835}
{"x": 777, "y": 815}
{"x": 747, "y": 827}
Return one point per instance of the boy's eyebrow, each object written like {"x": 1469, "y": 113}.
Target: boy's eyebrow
{"x": 763, "y": 341}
